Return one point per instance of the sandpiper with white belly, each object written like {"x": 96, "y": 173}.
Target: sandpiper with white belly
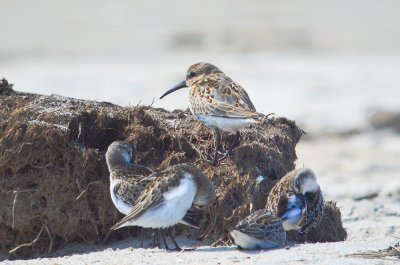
{"x": 166, "y": 200}
{"x": 128, "y": 180}
{"x": 218, "y": 102}
{"x": 297, "y": 199}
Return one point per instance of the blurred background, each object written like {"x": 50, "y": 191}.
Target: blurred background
{"x": 333, "y": 66}
{"x": 322, "y": 63}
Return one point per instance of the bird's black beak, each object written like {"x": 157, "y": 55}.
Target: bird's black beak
{"x": 303, "y": 201}
{"x": 306, "y": 203}
{"x": 175, "y": 88}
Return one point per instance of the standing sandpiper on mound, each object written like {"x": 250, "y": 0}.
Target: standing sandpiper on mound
{"x": 128, "y": 181}
{"x": 297, "y": 199}
{"x": 218, "y": 102}
{"x": 166, "y": 200}
{"x": 260, "y": 230}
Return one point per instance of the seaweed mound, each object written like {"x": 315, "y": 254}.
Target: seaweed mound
{"x": 54, "y": 185}
{"x": 330, "y": 229}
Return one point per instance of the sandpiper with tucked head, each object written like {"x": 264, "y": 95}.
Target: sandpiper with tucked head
{"x": 260, "y": 230}
{"x": 128, "y": 180}
{"x": 297, "y": 199}
{"x": 218, "y": 102}
{"x": 166, "y": 200}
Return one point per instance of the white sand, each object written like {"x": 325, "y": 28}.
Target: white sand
{"x": 329, "y": 253}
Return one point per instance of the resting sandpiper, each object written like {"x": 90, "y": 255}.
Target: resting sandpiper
{"x": 297, "y": 199}
{"x": 166, "y": 200}
{"x": 128, "y": 181}
{"x": 218, "y": 102}
{"x": 260, "y": 230}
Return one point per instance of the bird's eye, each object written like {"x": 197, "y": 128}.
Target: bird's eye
{"x": 191, "y": 74}
{"x": 297, "y": 183}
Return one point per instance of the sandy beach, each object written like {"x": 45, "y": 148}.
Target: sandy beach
{"x": 329, "y": 253}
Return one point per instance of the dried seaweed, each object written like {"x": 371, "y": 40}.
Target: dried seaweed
{"x": 54, "y": 147}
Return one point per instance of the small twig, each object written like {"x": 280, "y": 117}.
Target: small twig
{"x": 234, "y": 212}
{"x": 79, "y": 131}
{"x": 390, "y": 252}
{"x": 12, "y": 252}
{"x": 220, "y": 241}
{"x": 151, "y": 105}
{"x": 107, "y": 236}
{"x": 113, "y": 129}
{"x": 13, "y": 208}
{"x": 22, "y": 146}
{"x": 40, "y": 167}
{"x": 51, "y": 238}
{"x": 86, "y": 241}
{"x": 87, "y": 188}
{"x": 15, "y": 202}
{"x": 129, "y": 113}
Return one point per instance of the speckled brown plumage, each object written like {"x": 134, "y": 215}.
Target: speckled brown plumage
{"x": 219, "y": 103}
{"x": 291, "y": 185}
{"x": 214, "y": 93}
{"x": 129, "y": 185}
{"x": 263, "y": 225}
{"x": 165, "y": 181}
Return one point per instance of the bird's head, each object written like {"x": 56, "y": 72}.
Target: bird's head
{"x": 195, "y": 73}
{"x": 305, "y": 181}
{"x": 119, "y": 153}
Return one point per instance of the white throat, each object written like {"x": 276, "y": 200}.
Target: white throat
{"x": 310, "y": 185}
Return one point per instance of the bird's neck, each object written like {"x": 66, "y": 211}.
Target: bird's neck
{"x": 116, "y": 164}
{"x": 205, "y": 194}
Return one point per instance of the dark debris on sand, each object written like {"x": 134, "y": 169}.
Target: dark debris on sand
{"x": 54, "y": 180}
{"x": 5, "y": 87}
{"x": 390, "y": 253}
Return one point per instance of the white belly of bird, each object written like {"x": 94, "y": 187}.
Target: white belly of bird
{"x": 293, "y": 215}
{"x": 225, "y": 124}
{"x": 249, "y": 242}
{"x": 172, "y": 210}
{"x": 122, "y": 207}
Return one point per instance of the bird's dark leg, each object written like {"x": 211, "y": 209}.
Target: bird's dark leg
{"x": 217, "y": 134}
{"x": 153, "y": 234}
{"x": 154, "y": 238}
{"x": 217, "y": 144}
{"x": 235, "y": 142}
{"x": 161, "y": 233}
{"x": 173, "y": 240}
{"x": 141, "y": 237}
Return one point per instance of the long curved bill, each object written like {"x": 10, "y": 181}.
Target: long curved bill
{"x": 175, "y": 88}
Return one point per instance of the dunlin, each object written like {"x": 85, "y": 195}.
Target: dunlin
{"x": 218, "y": 102}
{"x": 260, "y": 230}
{"x": 166, "y": 200}
{"x": 128, "y": 180}
{"x": 297, "y": 199}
